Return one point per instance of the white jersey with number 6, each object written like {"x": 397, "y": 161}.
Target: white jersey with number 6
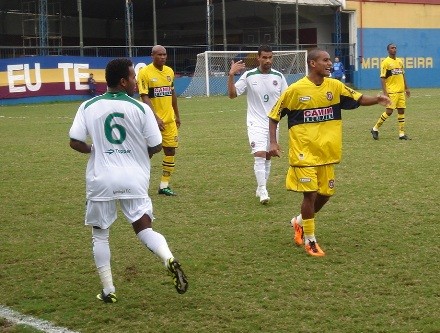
{"x": 263, "y": 91}
{"x": 121, "y": 130}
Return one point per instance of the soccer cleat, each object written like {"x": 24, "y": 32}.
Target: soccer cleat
{"x": 179, "y": 278}
{"x": 375, "y": 134}
{"x": 298, "y": 235}
{"x": 313, "y": 249}
{"x": 109, "y": 298}
{"x": 264, "y": 197}
{"x": 404, "y": 137}
{"x": 167, "y": 191}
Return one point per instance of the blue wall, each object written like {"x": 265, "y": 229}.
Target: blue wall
{"x": 415, "y": 45}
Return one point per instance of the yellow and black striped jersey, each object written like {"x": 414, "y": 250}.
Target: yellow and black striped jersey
{"x": 392, "y": 70}
{"x": 314, "y": 120}
{"x": 159, "y": 86}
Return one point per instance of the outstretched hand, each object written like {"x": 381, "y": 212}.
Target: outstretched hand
{"x": 383, "y": 100}
{"x": 236, "y": 67}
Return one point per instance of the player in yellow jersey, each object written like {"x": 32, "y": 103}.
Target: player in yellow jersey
{"x": 392, "y": 77}
{"x": 313, "y": 108}
{"x": 156, "y": 88}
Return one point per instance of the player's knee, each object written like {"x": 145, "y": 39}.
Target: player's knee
{"x": 100, "y": 235}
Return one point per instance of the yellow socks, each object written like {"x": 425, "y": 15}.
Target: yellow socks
{"x": 401, "y": 120}
{"x": 382, "y": 118}
{"x": 167, "y": 168}
{"x": 309, "y": 229}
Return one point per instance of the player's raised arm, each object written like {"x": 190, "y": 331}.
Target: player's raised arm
{"x": 236, "y": 67}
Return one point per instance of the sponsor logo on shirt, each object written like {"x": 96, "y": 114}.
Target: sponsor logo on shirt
{"x": 117, "y": 151}
{"x": 124, "y": 191}
{"x": 397, "y": 71}
{"x": 317, "y": 115}
{"x": 305, "y": 98}
{"x": 162, "y": 91}
{"x": 275, "y": 82}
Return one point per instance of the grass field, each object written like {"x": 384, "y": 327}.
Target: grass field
{"x": 380, "y": 231}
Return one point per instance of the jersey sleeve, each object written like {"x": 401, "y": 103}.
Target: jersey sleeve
{"x": 349, "y": 98}
{"x": 172, "y": 78}
{"x": 151, "y": 131}
{"x": 383, "y": 69}
{"x": 78, "y": 131}
{"x": 402, "y": 66}
{"x": 241, "y": 84}
{"x": 277, "y": 111}
{"x": 143, "y": 82}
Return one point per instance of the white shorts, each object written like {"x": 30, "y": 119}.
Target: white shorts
{"x": 102, "y": 214}
{"x": 259, "y": 139}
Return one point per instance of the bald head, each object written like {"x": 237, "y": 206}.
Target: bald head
{"x": 158, "y": 49}
{"x": 159, "y": 55}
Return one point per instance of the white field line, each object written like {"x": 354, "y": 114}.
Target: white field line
{"x": 42, "y": 325}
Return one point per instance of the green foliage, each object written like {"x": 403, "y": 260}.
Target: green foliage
{"x": 380, "y": 230}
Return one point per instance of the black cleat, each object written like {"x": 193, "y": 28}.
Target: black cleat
{"x": 375, "y": 134}
{"x": 179, "y": 278}
{"x": 109, "y": 298}
{"x": 404, "y": 137}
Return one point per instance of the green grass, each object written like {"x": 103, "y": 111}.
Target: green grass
{"x": 7, "y": 327}
{"x": 380, "y": 230}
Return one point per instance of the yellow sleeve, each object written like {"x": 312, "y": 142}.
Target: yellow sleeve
{"x": 275, "y": 113}
{"x": 143, "y": 81}
{"x": 383, "y": 69}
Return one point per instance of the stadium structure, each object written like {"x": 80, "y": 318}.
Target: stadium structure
{"x": 80, "y": 36}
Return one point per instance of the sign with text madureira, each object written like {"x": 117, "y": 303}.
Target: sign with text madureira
{"x": 416, "y": 46}
{"x": 409, "y": 62}
{"x": 54, "y": 75}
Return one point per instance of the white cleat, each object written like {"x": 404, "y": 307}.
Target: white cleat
{"x": 264, "y": 197}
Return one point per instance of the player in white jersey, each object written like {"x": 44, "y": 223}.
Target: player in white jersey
{"x": 124, "y": 136}
{"x": 264, "y": 86}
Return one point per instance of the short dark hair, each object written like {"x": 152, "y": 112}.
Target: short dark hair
{"x": 116, "y": 70}
{"x": 313, "y": 55}
{"x": 389, "y": 45}
{"x": 264, "y": 48}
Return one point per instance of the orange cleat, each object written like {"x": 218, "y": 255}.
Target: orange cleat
{"x": 298, "y": 236}
{"x": 314, "y": 250}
